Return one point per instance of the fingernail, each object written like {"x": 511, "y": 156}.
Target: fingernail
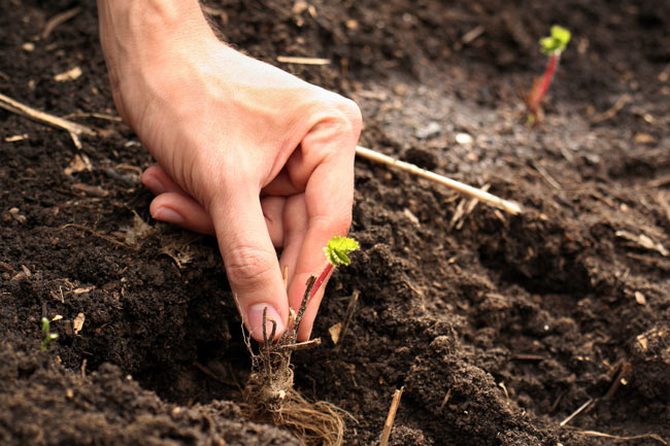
{"x": 153, "y": 184}
{"x": 255, "y": 320}
{"x": 168, "y": 215}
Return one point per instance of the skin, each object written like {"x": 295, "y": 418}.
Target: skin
{"x": 244, "y": 150}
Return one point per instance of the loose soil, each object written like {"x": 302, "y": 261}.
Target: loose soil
{"x": 498, "y": 327}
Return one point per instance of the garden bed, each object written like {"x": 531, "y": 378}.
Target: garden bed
{"x": 499, "y": 327}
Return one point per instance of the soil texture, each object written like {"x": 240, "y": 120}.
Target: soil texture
{"x": 498, "y": 327}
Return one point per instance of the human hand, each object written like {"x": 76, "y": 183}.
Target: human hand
{"x": 245, "y": 151}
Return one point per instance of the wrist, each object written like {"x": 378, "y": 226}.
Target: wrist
{"x": 144, "y": 32}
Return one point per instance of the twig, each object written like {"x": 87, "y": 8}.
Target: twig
{"x": 548, "y": 178}
{"x": 301, "y": 345}
{"x": 623, "y": 373}
{"x": 347, "y": 319}
{"x": 97, "y": 234}
{"x": 390, "y": 418}
{"x": 75, "y": 130}
{"x": 97, "y": 115}
{"x": 462, "y": 188}
{"x": 445, "y": 400}
{"x": 528, "y": 357}
{"x": 663, "y": 202}
{"x": 618, "y": 438}
{"x": 659, "y": 182}
{"x": 303, "y": 60}
{"x": 579, "y": 410}
{"x": 303, "y": 304}
{"x": 57, "y": 20}
{"x": 613, "y": 110}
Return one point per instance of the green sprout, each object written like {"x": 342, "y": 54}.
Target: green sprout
{"x": 338, "y": 249}
{"x": 552, "y": 46}
{"x": 47, "y": 336}
{"x": 337, "y": 252}
{"x": 557, "y": 41}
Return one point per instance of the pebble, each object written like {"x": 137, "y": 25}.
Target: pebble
{"x": 464, "y": 138}
{"x": 432, "y": 129}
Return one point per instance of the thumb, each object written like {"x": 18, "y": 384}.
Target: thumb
{"x": 250, "y": 260}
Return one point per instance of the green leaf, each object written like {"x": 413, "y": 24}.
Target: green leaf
{"x": 338, "y": 249}
{"x": 557, "y": 41}
{"x": 45, "y": 327}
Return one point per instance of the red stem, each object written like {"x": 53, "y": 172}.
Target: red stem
{"x": 319, "y": 280}
{"x": 540, "y": 90}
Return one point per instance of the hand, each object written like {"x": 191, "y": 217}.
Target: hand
{"x": 245, "y": 151}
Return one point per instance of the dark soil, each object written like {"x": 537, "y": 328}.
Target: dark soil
{"x": 499, "y": 327}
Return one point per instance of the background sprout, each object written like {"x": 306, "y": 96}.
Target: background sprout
{"x": 47, "y": 336}
{"x": 553, "y": 46}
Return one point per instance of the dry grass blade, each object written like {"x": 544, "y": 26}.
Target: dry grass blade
{"x": 303, "y": 60}
{"x": 75, "y": 130}
{"x": 351, "y": 308}
{"x": 620, "y": 438}
{"x": 579, "y": 410}
{"x": 612, "y": 111}
{"x": 58, "y": 20}
{"x": 390, "y": 418}
{"x": 462, "y": 188}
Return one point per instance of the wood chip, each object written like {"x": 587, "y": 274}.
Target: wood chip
{"x": 644, "y": 138}
{"x": 79, "y": 163}
{"x": 83, "y": 290}
{"x": 411, "y": 217}
{"x": 78, "y": 323}
{"x": 69, "y": 75}
{"x": 87, "y": 189}
{"x": 643, "y": 241}
{"x": 16, "y": 138}
{"x": 640, "y": 299}
{"x": 335, "y": 331}
{"x": 473, "y": 34}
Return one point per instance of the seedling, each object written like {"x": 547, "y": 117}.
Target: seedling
{"x": 47, "y": 335}
{"x": 553, "y": 46}
{"x": 270, "y": 391}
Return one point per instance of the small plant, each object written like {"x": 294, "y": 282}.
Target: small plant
{"x": 47, "y": 335}
{"x": 270, "y": 391}
{"x": 553, "y": 46}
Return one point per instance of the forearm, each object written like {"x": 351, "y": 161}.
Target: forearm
{"x": 132, "y": 30}
{"x": 143, "y": 37}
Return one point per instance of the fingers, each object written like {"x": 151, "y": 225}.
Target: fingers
{"x": 328, "y": 202}
{"x": 173, "y": 205}
{"x": 249, "y": 258}
{"x": 181, "y": 210}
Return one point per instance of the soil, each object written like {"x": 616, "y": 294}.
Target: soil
{"x": 498, "y": 327}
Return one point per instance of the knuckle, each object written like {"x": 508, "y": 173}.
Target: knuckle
{"x": 347, "y": 114}
{"x": 248, "y": 265}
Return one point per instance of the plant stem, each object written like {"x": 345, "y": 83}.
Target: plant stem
{"x": 319, "y": 280}
{"x": 540, "y": 89}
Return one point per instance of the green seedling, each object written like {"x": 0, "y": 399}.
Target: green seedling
{"x": 270, "y": 392}
{"x": 47, "y": 336}
{"x": 337, "y": 252}
{"x": 553, "y": 46}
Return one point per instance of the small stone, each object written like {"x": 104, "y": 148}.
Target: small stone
{"x": 464, "y": 138}
{"x": 640, "y": 299}
{"x": 432, "y": 129}
{"x": 28, "y": 47}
